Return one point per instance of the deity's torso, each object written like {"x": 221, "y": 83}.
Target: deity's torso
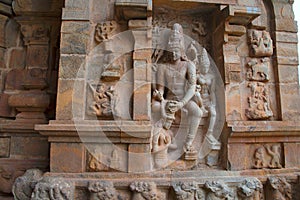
{"x": 176, "y": 77}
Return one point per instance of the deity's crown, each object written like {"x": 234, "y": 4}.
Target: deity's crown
{"x": 203, "y": 57}
{"x": 176, "y": 40}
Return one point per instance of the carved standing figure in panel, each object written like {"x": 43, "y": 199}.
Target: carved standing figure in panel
{"x": 258, "y": 102}
{"x": 177, "y": 84}
{"x": 267, "y": 156}
{"x": 103, "y": 100}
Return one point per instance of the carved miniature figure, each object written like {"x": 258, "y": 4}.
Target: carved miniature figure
{"x": 95, "y": 162}
{"x": 144, "y": 191}
{"x": 258, "y": 102}
{"x": 179, "y": 78}
{"x": 206, "y": 81}
{"x": 250, "y": 189}
{"x": 103, "y": 98}
{"x": 218, "y": 190}
{"x": 258, "y": 70}
{"x": 261, "y": 43}
{"x": 102, "y": 190}
{"x": 188, "y": 191}
{"x": 259, "y": 158}
{"x": 105, "y": 30}
{"x": 279, "y": 188}
{"x": 274, "y": 152}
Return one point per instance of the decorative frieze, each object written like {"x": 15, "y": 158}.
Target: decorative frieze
{"x": 53, "y": 188}
{"x": 144, "y": 191}
{"x": 278, "y": 188}
{"x": 188, "y": 191}
{"x": 102, "y": 190}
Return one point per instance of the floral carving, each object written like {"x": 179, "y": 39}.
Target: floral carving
{"x": 279, "y": 188}
{"x": 102, "y": 190}
{"x": 24, "y": 185}
{"x": 188, "y": 191}
{"x": 250, "y": 189}
{"x": 217, "y": 190}
{"x": 144, "y": 191}
{"x": 258, "y": 102}
{"x": 53, "y": 188}
{"x": 105, "y": 30}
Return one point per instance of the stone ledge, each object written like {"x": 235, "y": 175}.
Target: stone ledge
{"x": 166, "y": 178}
{"x": 115, "y": 131}
{"x": 265, "y": 126}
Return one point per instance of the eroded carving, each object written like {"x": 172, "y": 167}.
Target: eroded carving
{"x": 267, "y": 156}
{"x": 103, "y": 100}
{"x": 94, "y": 162}
{"x": 24, "y": 185}
{"x": 188, "y": 191}
{"x": 144, "y": 191}
{"x": 218, "y": 190}
{"x": 105, "y": 30}
{"x": 53, "y": 188}
{"x": 279, "y": 188}
{"x": 250, "y": 189}
{"x": 36, "y": 34}
{"x": 261, "y": 43}
{"x": 258, "y": 69}
{"x": 258, "y": 102}
{"x": 102, "y": 190}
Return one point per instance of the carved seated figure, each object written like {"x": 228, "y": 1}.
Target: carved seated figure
{"x": 176, "y": 84}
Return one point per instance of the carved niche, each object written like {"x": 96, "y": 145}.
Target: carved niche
{"x": 53, "y": 188}
{"x": 268, "y": 156}
{"x": 279, "y": 188}
{"x": 261, "y": 44}
{"x": 259, "y": 106}
{"x": 102, "y": 190}
{"x": 144, "y": 191}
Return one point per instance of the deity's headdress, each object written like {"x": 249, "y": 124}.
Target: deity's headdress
{"x": 176, "y": 39}
{"x": 203, "y": 57}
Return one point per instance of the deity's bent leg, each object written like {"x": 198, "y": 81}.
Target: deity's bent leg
{"x": 194, "y": 116}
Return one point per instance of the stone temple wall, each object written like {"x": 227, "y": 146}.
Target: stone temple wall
{"x": 149, "y": 99}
